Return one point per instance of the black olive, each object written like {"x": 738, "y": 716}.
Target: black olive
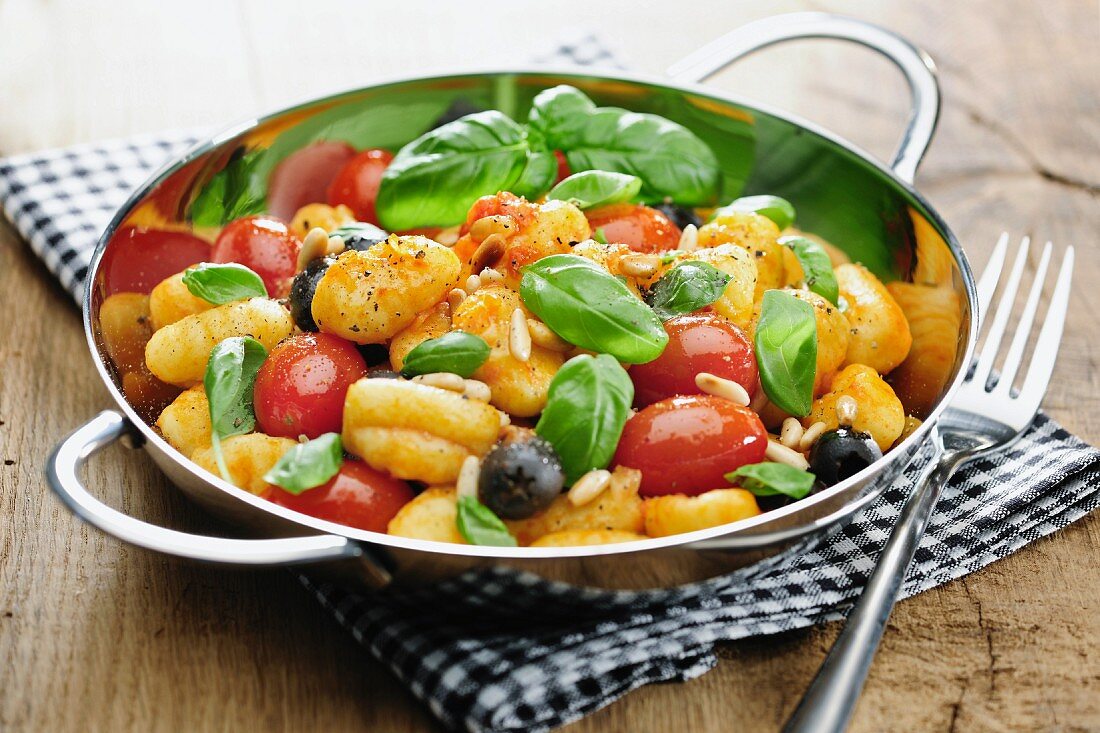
{"x": 842, "y": 453}
{"x": 360, "y": 235}
{"x": 520, "y": 478}
{"x": 374, "y": 354}
{"x": 302, "y": 290}
{"x": 382, "y": 374}
{"x": 459, "y": 108}
{"x": 681, "y": 216}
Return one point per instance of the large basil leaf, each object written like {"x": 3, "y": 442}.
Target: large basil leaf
{"x": 686, "y": 288}
{"x": 456, "y": 352}
{"x": 589, "y": 189}
{"x": 587, "y": 407}
{"x": 230, "y": 375}
{"x": 435, "y": 179}
{"x": 308, "y": 465}
{"x": 817, "y": 268}
{"x": 589, "y": 307}
{"x": 559, "y": 114}
{"x": 479, "y": 526}
{"x": 223, "y": 283}
{"x": 777, "y": 209}
{"x": 786, "y": 351}
{"x": 771, "y": 479}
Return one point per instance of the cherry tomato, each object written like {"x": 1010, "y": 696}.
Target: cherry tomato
{"x": 639, "y": 227}
{"x": 265, "y": 246}
{"x": 563, "y": 167}
{"x": 300, "y": 389}
{"x": 357, "y": 496}
{"x": 303, "y": 177}
{"x": 685, "y": 445}
{"x": 356, "y": 184}
{"x": 136, "y": 260}
{"x": 698, "y": 342}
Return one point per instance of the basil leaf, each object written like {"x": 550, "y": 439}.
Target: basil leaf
{"x": 230, "y": 375}
{"x": 588, "y": 404}
{"x": 587, "y": 306}
{"x": 599, "y": 235}
{"x": 308, "y": 465}
{"x": 771, "y": 479}
{"x": 589, "y": 189}
{"x": 223, "y": 283}
{"x": 817, "y": 268}
{"x": 786, "y": 351}
{"x": 235, "y": 191}
{"x": 435, "y": 179}
{"x": 670, "y": 159}
{"x": 456, "y": 352}
{"x": 686, "y": 288}
{"x": 479, "y": 526}
{"x": 778, "y": 210}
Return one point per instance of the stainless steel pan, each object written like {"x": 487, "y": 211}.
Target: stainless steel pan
{"x": 869, "y": 209}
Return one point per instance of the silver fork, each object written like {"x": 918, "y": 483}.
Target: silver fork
{"x": 977, "y": 422}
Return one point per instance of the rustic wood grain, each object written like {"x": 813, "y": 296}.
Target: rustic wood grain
{"x": 98, "y": 636}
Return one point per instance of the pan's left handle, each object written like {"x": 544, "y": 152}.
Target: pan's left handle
{"x": 63, "y": 474}
{"x": 915, "y": 64}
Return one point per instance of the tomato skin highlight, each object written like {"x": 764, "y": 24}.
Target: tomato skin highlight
{"x": 303, "y": 177}
{"x": 356, "y": 184}
{"x": 264, "y": 245}
{"x": 137, "y": 260}
{"x": 697, "y": 342}
{"x": 686, "y": 445}
{"x": 358, "y": 496}
{"x": 300, "y": 389}
{"x": 641, "y": 228}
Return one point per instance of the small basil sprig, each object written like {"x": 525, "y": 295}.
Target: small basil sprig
{"x": 589, "y": 189}
{"x": 778, "y": 210}
{"x": 686, "y": 288}
{"x": 587, "y": 406}
{"x": 771, "y": 479}
{"x": 786, "y": 351}
{"x": 237, "y": 190}
{"x": 599, "y": 235}
{"x": 230, "y": 376}
{"x": 223, "y": 283}
{"x": 479, "y": 526}
{"x": 456, "y": 352}
{"x": 308, "y": 465}
{"x": 817, "y": 268}
{"x": 589, "y": 307}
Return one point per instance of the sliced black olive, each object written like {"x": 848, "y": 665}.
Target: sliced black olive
{"x": 374, "y": 354}
{"x": 842, "y": 453}
{"x": 520, "y": 478}
{"x": 302, "y": 291}
{"x": 681, "y": 216}
{"x": 459, "y": 108}
{"x": 360, "y": 235}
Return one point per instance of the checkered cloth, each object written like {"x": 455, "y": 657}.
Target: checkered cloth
{"x": 514, "y": 653}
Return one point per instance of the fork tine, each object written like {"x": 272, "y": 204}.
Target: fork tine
{"x": 1023, "y": 329}
{"x": 1046, "y": 347}
{"x": 1000, "y": 319}
{"x": 991, "y": 275}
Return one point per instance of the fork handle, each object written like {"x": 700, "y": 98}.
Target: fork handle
{"x": 831, "y": 698}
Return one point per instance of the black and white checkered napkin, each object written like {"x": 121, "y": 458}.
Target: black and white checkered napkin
{"x": 505, "y": 651}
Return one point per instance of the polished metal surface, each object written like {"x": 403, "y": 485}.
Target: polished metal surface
{"x": 840, "y": 192}
{"x": 980, "y": 420}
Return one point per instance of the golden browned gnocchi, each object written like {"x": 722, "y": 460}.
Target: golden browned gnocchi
{"x": 756, "y": 234}
{"x": 248, "y": 458}
{"x": 675, "y": 513}
{"x": 430, "y": 324}
{"x": 879, "y": 412}
{"x": 431, "y": 515}
{"x": 329, "y": 218}
{"x": 171, "y": 301}
{"x": 879, "y": 331}
{"x": 185, "y": 423}
{"x": 618, "y": 508}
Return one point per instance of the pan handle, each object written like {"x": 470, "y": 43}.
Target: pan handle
{"x": 915, "y": 64}
{"x": 62, "y": 473}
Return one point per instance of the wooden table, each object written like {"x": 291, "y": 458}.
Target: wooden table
{"x": 98, "y": 636}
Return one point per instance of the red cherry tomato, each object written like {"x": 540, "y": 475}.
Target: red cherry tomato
{"x": 639, "y": 227}
{"x": 685, "y": 445}
{"x": 300, "y": 389}
{"x": 265, "y": 246}
{"x": 356, "y": 184}
{"x": 358, "y": 496}
{"x": 563, "y": 167}
{"x": 698, "y": 342}
{"x": 137, "y": 259}
{"x": 303, "y": 177}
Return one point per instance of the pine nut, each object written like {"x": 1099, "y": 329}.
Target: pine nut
{"x": 336, "y": 245}
{"x": 641, "y": 265}
{"x": 455, "y": 298}
{"x": 488, "y": 253}
{"x": 473, "y": 282}
{"x": 442, "y": 380}
{"x": 776, "y": 452}
{"x": 811, "y": 435}
{"x": 519, "y": 338}
{"x": 448, "y": 237}
{"x": 466, "y": 483}
{"x": 485, "y": 226}
{"x": 589, "y": 486}
{"x": 313, "y": 246}
{"x": 541, "y": 335}
{"x": 791, "y": 434}
{"x": 489, "y": 276}
{"x": 505, "y": 419}
{"x": 479, "y": 391}
{"x": 846, "y": 410}
{"x": 689, "y": 240}
{"x": 724, "y": 388}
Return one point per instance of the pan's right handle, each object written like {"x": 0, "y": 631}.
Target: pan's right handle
{"x": 915, "y": 64}
{"x": 63, "y": 474}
